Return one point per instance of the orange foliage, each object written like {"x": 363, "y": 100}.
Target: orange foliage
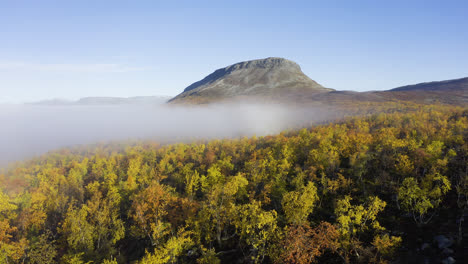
{"x": 304, "y": 244}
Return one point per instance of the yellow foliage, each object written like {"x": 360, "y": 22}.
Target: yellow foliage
{"x": 298, "y": 205}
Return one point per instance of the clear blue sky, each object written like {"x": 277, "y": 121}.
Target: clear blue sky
{"x": 72, "y": 49}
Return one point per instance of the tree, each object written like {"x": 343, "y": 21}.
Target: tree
{"x": 42, "y": 250}
{"x": 170, "y": 251}
{"x": 104, "y": 216}
{"x": 419, "y": 197}
{"x": 256, "y": 227}
{"x": 133, "y": 172}
{"x": 11, "y": 248}
{"x": 78, "y": 232}
{"x": 385, "y": 245}
{"x": 148, "y": 212}
{"x": 303, "y": 244}
{"x": 298, "y": 205}
{"x": 192, "y": 184}
{"x": 354, "y": 220}
{"x": 214, "y": 215}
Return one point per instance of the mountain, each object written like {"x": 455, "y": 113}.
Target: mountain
{"x": 278, "y": 79}
{"x": 448, "y": 85}
{"x": 122, "y": 100}
{"x": 447, "y": 92}
{"x": 107, "y": 101}
{"x": 266, "y": 78}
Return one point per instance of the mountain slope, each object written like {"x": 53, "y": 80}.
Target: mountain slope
{"x": 447, "y": 85}
{"x": 270, "y": 78}
{"x": 446, "y": 92}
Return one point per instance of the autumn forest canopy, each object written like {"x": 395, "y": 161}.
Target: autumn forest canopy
{"x": 373, "y": 188}
{"x": 243, "y": 132}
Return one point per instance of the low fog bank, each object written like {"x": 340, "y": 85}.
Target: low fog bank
{"x": 29, "y": 130}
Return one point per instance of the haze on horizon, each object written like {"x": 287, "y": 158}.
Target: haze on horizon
{"x": 31, "y": 130}
{"x": 69, "y": 50}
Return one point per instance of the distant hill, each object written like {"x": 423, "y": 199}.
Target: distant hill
{"x": 107, "y": 101}
{"x": 448, "y": 85}
{"x": 270, "y": 78}
{"x": 278, "y": 79}
{"x": 120, "y": 100}
{"x": 447, "y": 92}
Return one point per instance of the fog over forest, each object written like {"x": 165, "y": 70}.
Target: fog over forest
{"x": 29, "y": 130}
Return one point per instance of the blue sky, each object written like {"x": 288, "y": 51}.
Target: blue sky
{"x": 72, "y": 49}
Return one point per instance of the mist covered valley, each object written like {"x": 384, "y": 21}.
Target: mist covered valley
{"x": 30, "y": 130}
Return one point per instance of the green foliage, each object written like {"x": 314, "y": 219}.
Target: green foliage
{"x": 298, "y": 205}
{"x": 419, "y": 197}
{"x": 43, "y": 251}
{"x": 353, "y": 219}
{"x": 258, "y": 228}
{"x": 170, "y": 251}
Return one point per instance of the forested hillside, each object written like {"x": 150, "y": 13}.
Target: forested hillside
{"x": 371, "y": 189}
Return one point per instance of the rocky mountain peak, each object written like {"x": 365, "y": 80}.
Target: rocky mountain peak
{"x": 269, "y": 77}
{"x": 271, "y": 62}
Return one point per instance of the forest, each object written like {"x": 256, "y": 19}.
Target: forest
{"x": 375, "y": 188}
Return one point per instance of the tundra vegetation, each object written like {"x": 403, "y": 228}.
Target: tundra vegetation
{"x": 361, "y": 190}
